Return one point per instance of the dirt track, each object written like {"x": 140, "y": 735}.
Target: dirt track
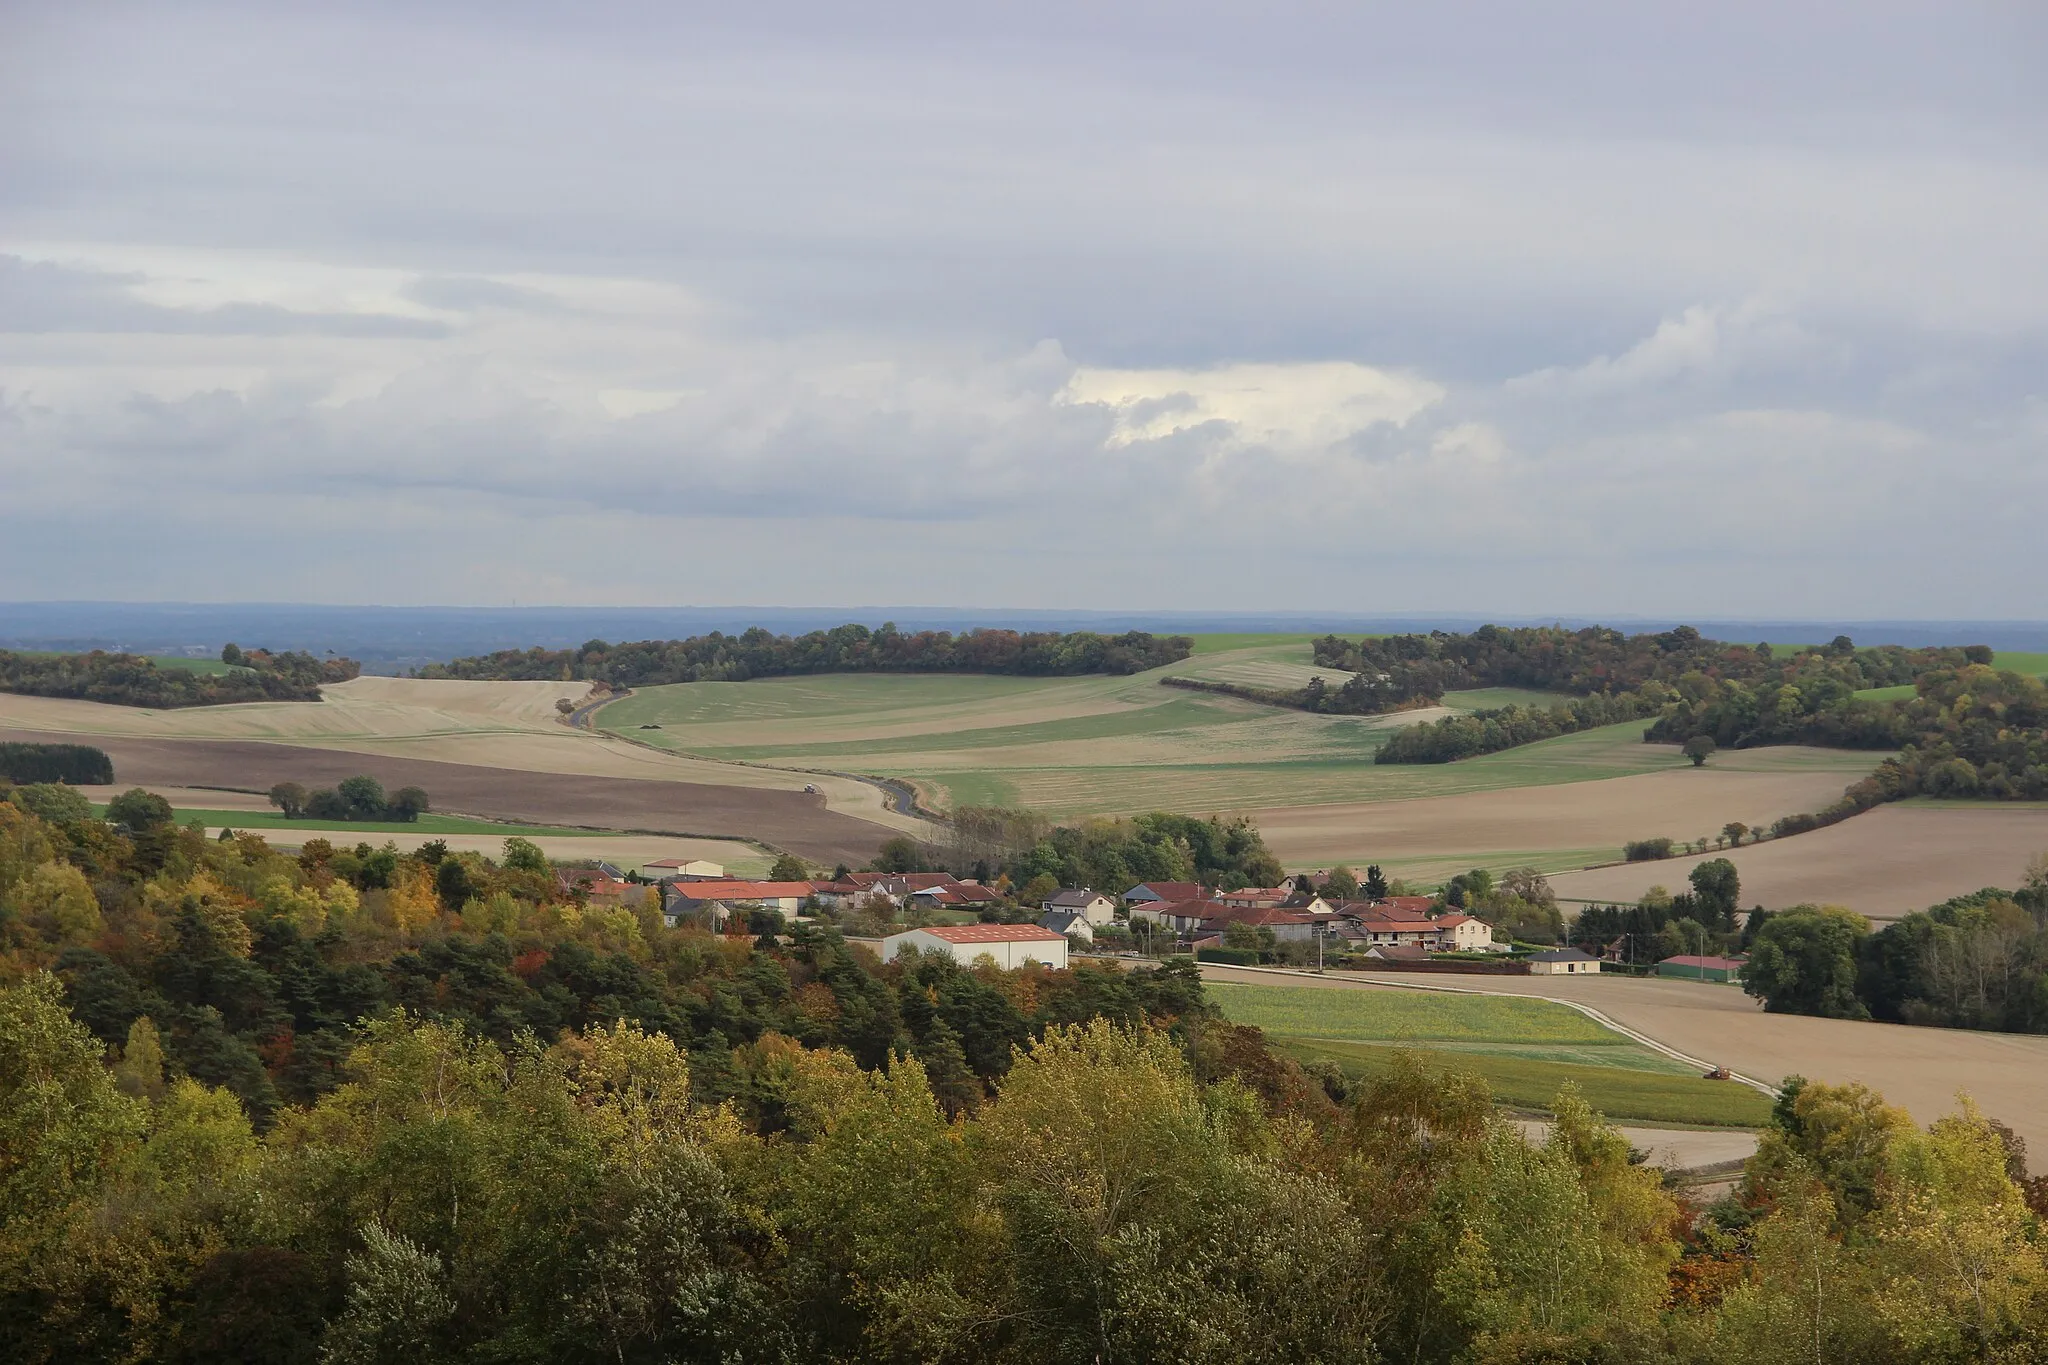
{"x": 1920, "y": 1069}
{"x": 791, "y": 820}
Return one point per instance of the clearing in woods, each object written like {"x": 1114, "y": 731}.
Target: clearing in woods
{"x": 1527, "y": 1050}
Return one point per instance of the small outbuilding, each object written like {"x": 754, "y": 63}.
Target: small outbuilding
{"x": 1695, "y": 968}
{"x": 1010, "y": 945}
{"x": 1562, "y": 962}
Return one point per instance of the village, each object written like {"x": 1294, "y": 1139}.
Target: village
{"x": 1293, "y": 925}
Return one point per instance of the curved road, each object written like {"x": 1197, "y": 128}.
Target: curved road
{"x": 1920, "y": 1069}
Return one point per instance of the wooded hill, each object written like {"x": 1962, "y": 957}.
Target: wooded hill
{"x": 759, "y": 653}
{"x": 132, "y": 680}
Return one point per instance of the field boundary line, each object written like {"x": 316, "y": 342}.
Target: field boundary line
{"x": 1595, "y": 1015}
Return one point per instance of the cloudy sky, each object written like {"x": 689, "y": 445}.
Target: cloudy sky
{"x": 1731, "y": 309}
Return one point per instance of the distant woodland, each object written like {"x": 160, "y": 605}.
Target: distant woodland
{"x": 758, "y": 653}
{"x": 131, "y": 680}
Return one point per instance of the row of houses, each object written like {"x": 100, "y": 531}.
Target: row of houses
{"x": 1198, "y": 913}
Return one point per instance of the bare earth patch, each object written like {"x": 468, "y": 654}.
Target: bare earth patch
{"x": 793, "y": 820}
{"x": 1920, "y": 1069}
{"x": 1446, "y": 832}
{"x": 1884, "y": 863}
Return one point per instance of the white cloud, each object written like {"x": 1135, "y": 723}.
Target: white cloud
{"x": 1291, "y": 408}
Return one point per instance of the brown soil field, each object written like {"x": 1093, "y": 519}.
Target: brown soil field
{"x": 186, "y": 798}
{"x": 791, "y": 820}
{"x": 1919, "y": 1069}
{"x": 624, "y": 850}
{"x": 1884, "y": 863}
{"x": 1437, "y": 835}
{"x": 510, "y": 725}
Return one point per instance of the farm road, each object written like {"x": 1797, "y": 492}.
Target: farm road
{"x": 790, "y": 820}
{"x": 1920, "y": 1069}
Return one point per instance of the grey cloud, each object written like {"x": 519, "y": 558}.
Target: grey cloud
{"x": 43, "y": 297}
{"x": 468, "y": 293}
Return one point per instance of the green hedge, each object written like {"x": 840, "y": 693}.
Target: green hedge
{"x": 1232, "y": 957}
{"x": 78, "y": 764}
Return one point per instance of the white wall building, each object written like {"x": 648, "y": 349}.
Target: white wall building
{"x": 1011, "y": 945}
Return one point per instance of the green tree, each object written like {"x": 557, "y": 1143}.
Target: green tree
{"x": 524, "y": 855}
{"x": 1803, "y": 961}
{"x": 1732, "y": 832}
{"x": 1699, "y": 748}
{"x": 407, "y": 804}
{"x": 1717, "y": 888}
{"x": 789, "y": 868}
{"x": 53, "y": 801}
{"x": 1341, "y": 885}
{"x": 1375, "y": 884}
{"x": 362, "y": 797}
{"x": 136, "y": 810}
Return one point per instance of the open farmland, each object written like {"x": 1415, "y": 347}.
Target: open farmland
{"x": 786, "y": 819}
{"x": 1883, "y": 863}
{"x": 1920, "y": 1069}
{"x": 624, "y": 850}
{"x": 1526, "y": 1049}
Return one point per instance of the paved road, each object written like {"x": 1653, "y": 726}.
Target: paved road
{"x": 1919, "y": 1068}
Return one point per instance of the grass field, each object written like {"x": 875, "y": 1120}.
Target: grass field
{"x": 1533, "y": 1083}
{"x": 1526, "y": 1049}
{"x": 1406, "y": 1016}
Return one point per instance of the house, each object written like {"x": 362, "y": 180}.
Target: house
{"x": 1562, "y": 962}
{"x": 717, "y": 901}
{"x": 628, "y": 895}
{"x": 1395, "y": 952}
{"x": 957, "y": 896}
{"x": 1093, "y": 906}
{"x": 1695, "y": 968}
{"x": 695, "y": 869}
{"x": 1462, "y": 933}
{"x": 1064, "y": 922}
{"x": 1010, "y": 945}
{"x": 894, "y": 887}
{"x": 1179, "y": 916}
{"x": 1256, "y": 897}
{"x": 1156, "y": 893}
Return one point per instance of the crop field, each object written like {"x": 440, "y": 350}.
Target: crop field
{"x": 1921, "y": 1069}
{"x": 1532, "y": 1083}
{"x": 1406, "y": 1016}
{"x": 1883, "y": 863}
{"x": 1525, "y": 1049}
{"x": 428, "y": 825}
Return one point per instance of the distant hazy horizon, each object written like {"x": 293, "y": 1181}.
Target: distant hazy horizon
{"x": 392, "y": 638}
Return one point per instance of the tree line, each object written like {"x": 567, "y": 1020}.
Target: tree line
{"x": 1110, "y": 855}
{"x": 1486, "y": 732}
{"x": 759, "y": 653}
{"x": 132, "y": 680}
{"x": 348, "y": 1106}
{"x": 1977, "y": 961}
{"x": 1361, "y": 694}
{"x": 81, "y": 765}
{"x": 352, "y": 799}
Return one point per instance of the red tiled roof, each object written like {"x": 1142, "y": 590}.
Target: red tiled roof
{"x": 991, "y": 933}
{"x": 741, "y": 891}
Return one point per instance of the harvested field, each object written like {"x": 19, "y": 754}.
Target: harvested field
{"x": 1920, "y": 1069}
{"x": 785, "y": 819}
{"x": 1675, "y": 1149}
{"x": 1884, "y": 863}
{"x": 1568, "y": 824}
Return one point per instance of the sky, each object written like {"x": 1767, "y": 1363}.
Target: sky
{"x": 1574, "y": 308}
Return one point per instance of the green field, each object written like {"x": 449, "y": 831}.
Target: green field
{"x": 1407, "y": 1016}
{"x": 1622, "y": 1094}
{"x": 426, "y": 824}
{"x": 1525, "y": 1049}
{"x": 176, "y": 663}
{"x": 1109, "y": 745}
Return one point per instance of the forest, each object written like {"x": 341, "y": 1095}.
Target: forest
{"x": 332, "y": 1107}
{"x": 131, "y": 680}
{"x": 759, "y": 653}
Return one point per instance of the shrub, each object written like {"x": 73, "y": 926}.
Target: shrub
{"x": 1646, "y": 850}
{"x": 1231, "y": 957}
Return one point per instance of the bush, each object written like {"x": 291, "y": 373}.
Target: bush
{"x": 1646, "y": 850}
{"x": 1229, "y": 957}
